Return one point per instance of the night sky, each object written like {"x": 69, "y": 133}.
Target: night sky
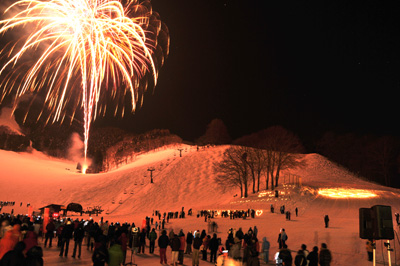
{"x": 310, "y": 66}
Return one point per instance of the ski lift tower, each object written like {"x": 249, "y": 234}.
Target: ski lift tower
{"x": 151, "y": 169}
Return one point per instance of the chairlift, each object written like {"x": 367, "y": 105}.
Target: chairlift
{"x": 113, "y": 201}
{"x": 131, "y": 191}
{"x": 120, "y": 201}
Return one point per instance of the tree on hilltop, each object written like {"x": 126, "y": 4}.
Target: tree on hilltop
{"x": 216, "y": 133}
{"x": 231, "y": 171}
{"x": 275, "y": 149}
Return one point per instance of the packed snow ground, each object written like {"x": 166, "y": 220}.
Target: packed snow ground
{"x": 187, "y": 182}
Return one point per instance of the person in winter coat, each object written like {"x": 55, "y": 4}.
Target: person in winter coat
{"x": 234, "y": 251}
{"x": 175, "y": 245}
{"x": 66, "y": 235}
{"x": 300, "y": 259}
{"x": 239, "y": 233}
{"x": 34, "y": 256}
{"x": 182, "y": 247}
{"x": 142, "y": 240}
{"x": 325, "y": 256}
{"x": 79, "y": 234}
{"x": 286, "y": 256}
{"x": 305, "y": 251}
{"x": 10, "y": 239}
{"x": 50, "y": 228}
{"x": 5, "y": 226}
{"x": 59, "y": 229}
{"x": 213, "y": 245}
{"x": 171, "y": 234}
{"x": 203, "y": 234}
{"x": 115, "y": 255}
{"x": 15, "y": 256}
{"x": 152, "y": 238}
{"x": 265, "y": 249}
{"x": 123, "y": 239}
{"x": 282, "y": 238}
{"x": 189, "y": 241}
{"x": 98, "y": 237}
{"x": 206, "y": 241}
{"x": 313, "y": 257}
{"x": 31, "y": 239}
{"x": 135, "y": 240}
{"x": 197, "y": 242}
{"x": 326, "y": 220}
{"x": 100, "y": 255}
{"x": 229, "y": 241}
{"x": 251, "y": 251}
{"x": 163, "y": 242}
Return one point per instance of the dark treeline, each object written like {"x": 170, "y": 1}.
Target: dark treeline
{"x": 376, "y": 158}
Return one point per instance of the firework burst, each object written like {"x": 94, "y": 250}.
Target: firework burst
{"x": 87, "y": 53}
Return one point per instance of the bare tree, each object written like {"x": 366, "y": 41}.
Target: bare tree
{"x": 276, "y": 149}
{"x": 382, "y": 154}
{"x": 283, "y": 148}
{"x": 257, "y": 163}
{"x": 232, "y": 170}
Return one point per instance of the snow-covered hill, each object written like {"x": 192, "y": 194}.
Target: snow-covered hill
{"x": 126, "y": 194}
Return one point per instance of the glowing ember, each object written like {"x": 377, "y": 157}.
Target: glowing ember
{"x": 89, "y": 53}
{"x": 346, "y": 193}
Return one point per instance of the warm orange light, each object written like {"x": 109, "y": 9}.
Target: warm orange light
{"x": 259, "y": 212}
{"x": 84, "y": 168}
{"x": 89, "y": 51}
{"x": 346, "y": 193}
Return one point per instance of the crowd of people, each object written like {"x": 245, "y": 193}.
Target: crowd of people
{"x": 110, "y": 242}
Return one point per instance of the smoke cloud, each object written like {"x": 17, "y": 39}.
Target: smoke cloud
{"x": 76, "y": 150}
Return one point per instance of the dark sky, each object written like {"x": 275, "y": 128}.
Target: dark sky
{"x": 310, "y": 66}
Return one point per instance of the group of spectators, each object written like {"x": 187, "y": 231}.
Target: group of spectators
{"x": 18, "y": 242}
{"x": 110, "y": 243}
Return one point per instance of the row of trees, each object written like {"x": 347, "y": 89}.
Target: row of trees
{"x": 259, "y": 158}
{"x": 374, "y": 158}
{"x": 110, "y": 147}
{"x": 11, "y": 141}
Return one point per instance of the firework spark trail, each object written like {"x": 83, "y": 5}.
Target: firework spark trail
{"x": 98, "y": 42}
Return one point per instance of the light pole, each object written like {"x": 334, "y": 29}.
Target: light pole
{"x": 151, "y": 169}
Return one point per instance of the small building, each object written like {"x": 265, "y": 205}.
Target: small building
{"x": 54, "y": 208}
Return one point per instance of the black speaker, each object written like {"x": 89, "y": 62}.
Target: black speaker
{"x": 366, "y": 223}
{"x": 383, "y": 222}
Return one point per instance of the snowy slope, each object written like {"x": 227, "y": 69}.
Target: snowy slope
{"x": 187, "y": 182}
{"x": 126, "y": 194}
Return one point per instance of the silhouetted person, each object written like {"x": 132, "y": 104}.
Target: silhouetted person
{"x": 326, "y": 219}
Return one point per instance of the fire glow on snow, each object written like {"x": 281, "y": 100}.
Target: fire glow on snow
{"x": 346, "y": 193}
